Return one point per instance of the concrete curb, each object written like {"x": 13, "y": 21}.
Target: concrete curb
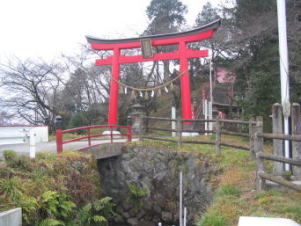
{"x": 11, "y": 217}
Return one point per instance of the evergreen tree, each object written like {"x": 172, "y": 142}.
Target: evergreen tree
{"x": 165, "y": 16}
{"x": 207, "y": 15}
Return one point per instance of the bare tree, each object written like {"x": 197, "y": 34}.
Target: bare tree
{"x": 31, "y": 88}
{"x": 86, "y": 90}
{"x": 6, "y": 117}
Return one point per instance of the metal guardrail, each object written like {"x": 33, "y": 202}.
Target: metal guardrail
{"x": 18, "y": 134}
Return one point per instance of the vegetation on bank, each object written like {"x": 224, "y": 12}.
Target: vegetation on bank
{"x": 235, "y": 193}
{"x": 54, "y": 189}
{"x": 64, "y": 189}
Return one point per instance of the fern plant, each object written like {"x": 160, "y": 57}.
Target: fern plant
{"x": 51, "y": 222}
{"x": 54, "y": 204}
{"x": 136, "y": 195}
{"x": 136, "y": 192}
{"x": 96, "y": 213}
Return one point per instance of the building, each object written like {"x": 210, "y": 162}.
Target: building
{"x": 224, "y": 104}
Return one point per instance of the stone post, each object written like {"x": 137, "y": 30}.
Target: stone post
{"x": 296, "y": 130}
{"x": 277, "y": 115}
{"x": 258, "y": 148}
{"x": 137, "y": 116}
{"x": 32, "y": 143}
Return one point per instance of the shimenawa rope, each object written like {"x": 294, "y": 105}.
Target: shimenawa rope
{"x": 150, "y": 88}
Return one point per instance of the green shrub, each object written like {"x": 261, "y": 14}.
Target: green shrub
{"x": 10, "y": 157}
{"x": 212, "y": 218}
{"x": 228, "y": 190}
{"x": 294, "y": 212}
{"x": 10, "y": 187}
{"x": 24, "y": 163}
{"x": 77, "y": 120}
{"x": 38, "y": 175}
{"x": 45, "y": 156}
{"x": 14, "y": 161}
{"x": 267, "y": 193}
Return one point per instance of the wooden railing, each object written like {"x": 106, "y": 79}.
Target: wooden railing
{"x": 256, "y": 143}
{"x": 260, "y": 157}
{"x": 60, "y": 140}
{"x": 181, "y": 127}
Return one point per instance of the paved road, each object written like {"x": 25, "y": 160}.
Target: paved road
{"x": 23, "y": 149}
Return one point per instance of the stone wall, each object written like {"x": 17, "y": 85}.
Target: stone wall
{"x": 144, "y": 184}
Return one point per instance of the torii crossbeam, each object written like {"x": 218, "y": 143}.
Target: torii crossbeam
{"x": 183, "y": 53}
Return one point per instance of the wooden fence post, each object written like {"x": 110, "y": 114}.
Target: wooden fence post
{"x": 251, "y": 135}
{"x": 140, "y": 131}
{"x": 258, "y": 148}
{"x": 179, "y": 131}
{"x": 296, "y": 130}
{"x": 218, "y": 136}
{"x": 111, "y": 134}
{"x": 278, "y": 167}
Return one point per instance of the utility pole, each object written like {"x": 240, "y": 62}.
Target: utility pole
{"x": 284, "y": 72}
{"x": 211, "y": 95}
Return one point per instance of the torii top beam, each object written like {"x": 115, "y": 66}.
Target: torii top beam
{"x": 183, "y": 53}
{"x": 197, "y": 34}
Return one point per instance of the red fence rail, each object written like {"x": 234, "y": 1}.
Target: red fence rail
{"x": 60, "y": 133}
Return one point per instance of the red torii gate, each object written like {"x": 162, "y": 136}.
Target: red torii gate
{"x": 183, "y": 53}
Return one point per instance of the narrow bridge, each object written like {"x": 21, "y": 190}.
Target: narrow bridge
{"x": 105, "y": 151}
{"x": 100, "y": 131}
{"x": 94, "y": 137}
{"x": 102, "y": 141}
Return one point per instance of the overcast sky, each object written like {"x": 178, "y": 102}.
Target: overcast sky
{"x": 47, "y": 28}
